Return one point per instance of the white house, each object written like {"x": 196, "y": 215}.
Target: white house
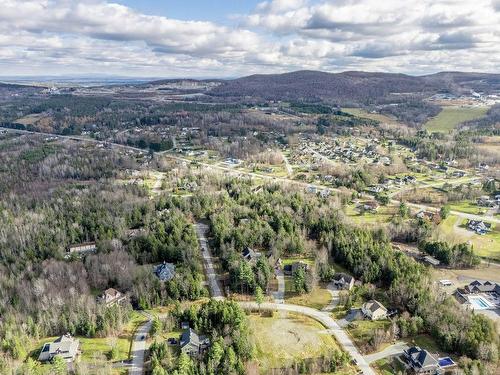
{"x": 374, "y": 310}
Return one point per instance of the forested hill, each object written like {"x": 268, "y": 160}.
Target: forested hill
{"x": 352, "y": 87}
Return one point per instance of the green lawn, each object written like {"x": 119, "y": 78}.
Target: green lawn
{"x": 362, "y": 330}
{"x": 318, "y": 298}
{"x": 425, "y": 342}
{"x": 467, "y": 207}
{"x": 383, "y": 214}
{"x": 388, "y": 366}
{"x": 92, "y": 347}
{"x": 450, "y": 117}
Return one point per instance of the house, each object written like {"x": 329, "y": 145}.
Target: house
{"x": 427, "y": 215}
{"x": 478, "y": 226}
{"x": 65, "y": 346}
{"x": 165, "y": 271}
{"x": 431, "y": 260}
{"x": 192, "y": 344}
{"x": 371, "y": 206}
{"x": 343, "y": 281}
{"x": 421, "y": 361}
{"x": 289, "y": 269}
{"x": 83, "y": 248}
{"x": 250, "y": 255}
{"x": 477, "y": 287}
{"x": 374, "y": 310}
{"x": 486, "y": 201}
{"x": 111, "y": 297}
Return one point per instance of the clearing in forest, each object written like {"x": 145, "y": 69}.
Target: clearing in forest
{"x": 451, "y": 116}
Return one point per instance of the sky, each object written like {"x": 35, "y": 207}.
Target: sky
{"x": 231, "y": 38}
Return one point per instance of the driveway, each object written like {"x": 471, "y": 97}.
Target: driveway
{"x": 335, "y": 293}
{"x": 325, "y": 319}
{"x": 215, "y": 289}
{"x": 390, "y": 351}
{"x": 139, "y": 347}
{"x": 279, "y": 296}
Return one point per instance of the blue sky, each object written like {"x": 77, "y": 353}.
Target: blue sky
{"x": 222, "y": 38}
{"x": 207, "y": 10}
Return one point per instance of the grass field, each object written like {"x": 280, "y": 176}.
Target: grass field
{"x": 372, "y": 116}
{"x": 282, "y": 339}
{"x": 450, "y": 117}
{"x": 317, "y": 299}
{"x": 388, "y": 366}
{"x": 383, "y": 214}
{"x": 362, "y": 330}
{"x": 467, "y": 207}
{"x": 453, "y": 230}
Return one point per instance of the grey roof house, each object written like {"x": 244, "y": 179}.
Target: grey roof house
{"x": 165, "y": 271}
{"x": 343, "y": 281}
{"x": 192, "y": 344}
{"x": 421, "y": 361}
{"x": 64, "y": 346}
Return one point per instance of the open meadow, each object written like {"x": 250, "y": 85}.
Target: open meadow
{"x": 450, "y": 117}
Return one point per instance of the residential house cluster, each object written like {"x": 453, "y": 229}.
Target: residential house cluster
{"x": 478, "y": 287}
{"x": 479, "y": 226}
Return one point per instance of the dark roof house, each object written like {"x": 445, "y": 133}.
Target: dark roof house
{"x": 343, "y": 281}
{"x": 421, "y": 361}
{"x": 165, "y": 271}
{"x": 250, "y": 255}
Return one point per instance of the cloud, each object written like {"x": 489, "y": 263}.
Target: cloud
{"x": 278, "y": 35}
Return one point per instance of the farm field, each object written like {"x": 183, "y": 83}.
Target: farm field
{"x": 450, "y": 117}
{"x": 283, "y": 339}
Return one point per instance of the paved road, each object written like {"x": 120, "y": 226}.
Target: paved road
{"x": 139, "y": 347}
{"x": 279, "y": 296}
{"x": 390, "y": 351}
{"x": 215, "y": 289}
{"x": 325, "y": 319}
